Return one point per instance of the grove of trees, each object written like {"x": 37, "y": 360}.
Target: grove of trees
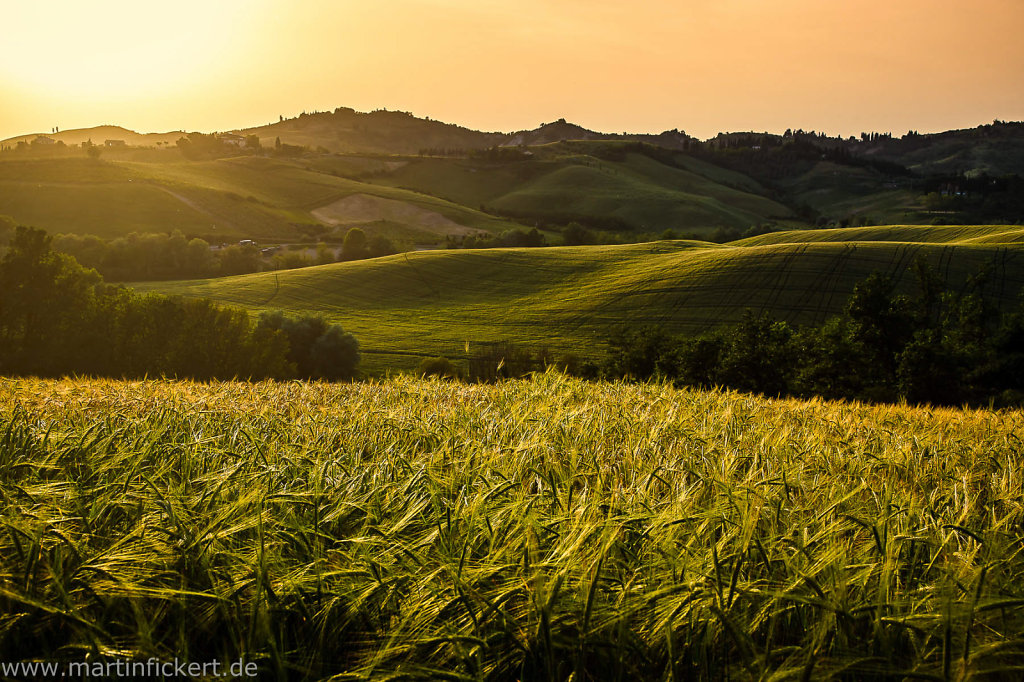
{"x": 59, "y": 318}
{"x": 937, "y": 347}
{"x": 154, "y": 256}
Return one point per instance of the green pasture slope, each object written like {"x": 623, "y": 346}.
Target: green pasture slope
{"x": 842, "y": 190}
{"x": 578, "y": 179}
{"x": 924, "y": 234}
{"x": 569, "y": 299}
{"x": 221, "y": 200}
{"x": 546, "y": 529}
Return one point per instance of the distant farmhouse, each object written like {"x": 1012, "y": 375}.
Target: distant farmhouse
{"x": 43, "y": 140}
{"x": 115, "y": 143}
{"x": 232, "y": 139}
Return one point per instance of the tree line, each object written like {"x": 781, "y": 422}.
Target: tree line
{"x": 59, "y": 318}
{"x": 141, "y": 257}
{"x": 937, "y": 347}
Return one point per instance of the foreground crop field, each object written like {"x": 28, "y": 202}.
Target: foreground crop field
{"x": 537, "y": 529}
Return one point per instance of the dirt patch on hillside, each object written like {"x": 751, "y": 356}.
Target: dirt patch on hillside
{"x": 359, "y": 209}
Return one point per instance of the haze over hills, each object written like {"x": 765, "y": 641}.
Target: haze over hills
{"x": 99, "y": 135}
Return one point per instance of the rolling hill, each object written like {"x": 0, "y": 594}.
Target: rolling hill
{"x": 922, "y": 234}
{"x": 411, "y": 199}
{"x": 242, "y": 197}
{"x": 100, "y": 134}
{"x": 378, "y": 132}
{"x": 609, "y": 184}
{"x": 420, "y": 181}
{"x": 569, "y": 299}
{"x": 996, "y": 149}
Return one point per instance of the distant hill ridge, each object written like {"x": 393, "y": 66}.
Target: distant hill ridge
{"x": 99, "y": 135}
{"x": 306, "y": 182}
{"x": 997, "y": 148}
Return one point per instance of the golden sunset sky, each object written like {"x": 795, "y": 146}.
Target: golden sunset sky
{"x": 839, "y": 66}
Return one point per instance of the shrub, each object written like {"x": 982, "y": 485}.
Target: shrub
{"x": 437, "y": 367}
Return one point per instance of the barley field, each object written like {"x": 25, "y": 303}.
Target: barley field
{"x": 542, "y": 529}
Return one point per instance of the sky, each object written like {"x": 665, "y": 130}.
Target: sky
{"x": 703, "y": 66}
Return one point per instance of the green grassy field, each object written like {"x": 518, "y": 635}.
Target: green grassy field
{"x": 418, "y": 199}
{"x": 539, "y": 529}
{"x": 609, "y": 185}
{"x": 840, "y": 190}
{"x": 569, "y": 299}
{"x": 221, "y": 200}
{"x": 923, "y": 234}
{"x": 570, "y": 179}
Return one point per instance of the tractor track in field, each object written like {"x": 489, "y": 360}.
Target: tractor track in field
{"x": 198, "y": 208}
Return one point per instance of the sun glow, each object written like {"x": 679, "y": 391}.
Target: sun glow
{"x": 700, "y": 65}
{"x": 118, "y": 48}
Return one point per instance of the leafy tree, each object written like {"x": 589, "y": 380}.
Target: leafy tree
{"x": 929, "y": 370}
{"x": 572, "y": 364}
{"x": 7, "y": 227}
{"x": 881, "y": 325}
{"x": 379, "y": 245}
{"x": 239, "y": 260}
{"x": 324, "y": 254}
{"x": 57, "y": 317}
{"x": 334, "y": 355}
{"x": 575, "y": 234}
{"x": 759, "y": 356}
{"x": 138, "y": 256}
{"x": 831, "y": 361}
{"x": 1002, "y": 373}
{"x": 642, "y": 353}
{"x": 499, "y": 360}
{"x": 354, "y": 246}
{"x": 289, "y": 260}
{"x": 699, "y": 360}
{"x": 520, "y": 238}
{"x": 44, "y": 297}
{"x": 318, "y": 349}
{"x": 940, "y": 347}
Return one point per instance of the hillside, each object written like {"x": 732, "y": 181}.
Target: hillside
{"x": 569, "y": 299}
{"x": 421, "y": 181}
{"x": 379, "y": 132}
{"x": 612, "y": 185}
{"x": 411, "y": 199}
{"x": 241, "y": 197}
{"x": 924, "y": 234}
{"x": 99, "y": 135}
{"x": 995, "y": 149}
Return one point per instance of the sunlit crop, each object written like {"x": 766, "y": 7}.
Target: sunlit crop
{"x": 537, "y": 529}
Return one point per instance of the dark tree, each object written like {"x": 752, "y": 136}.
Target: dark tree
{"x": 354, "y": 246}
{"x": 318, "y": 349}
{"x": 758, "y": 356}
{"x": 57, "y": 317}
